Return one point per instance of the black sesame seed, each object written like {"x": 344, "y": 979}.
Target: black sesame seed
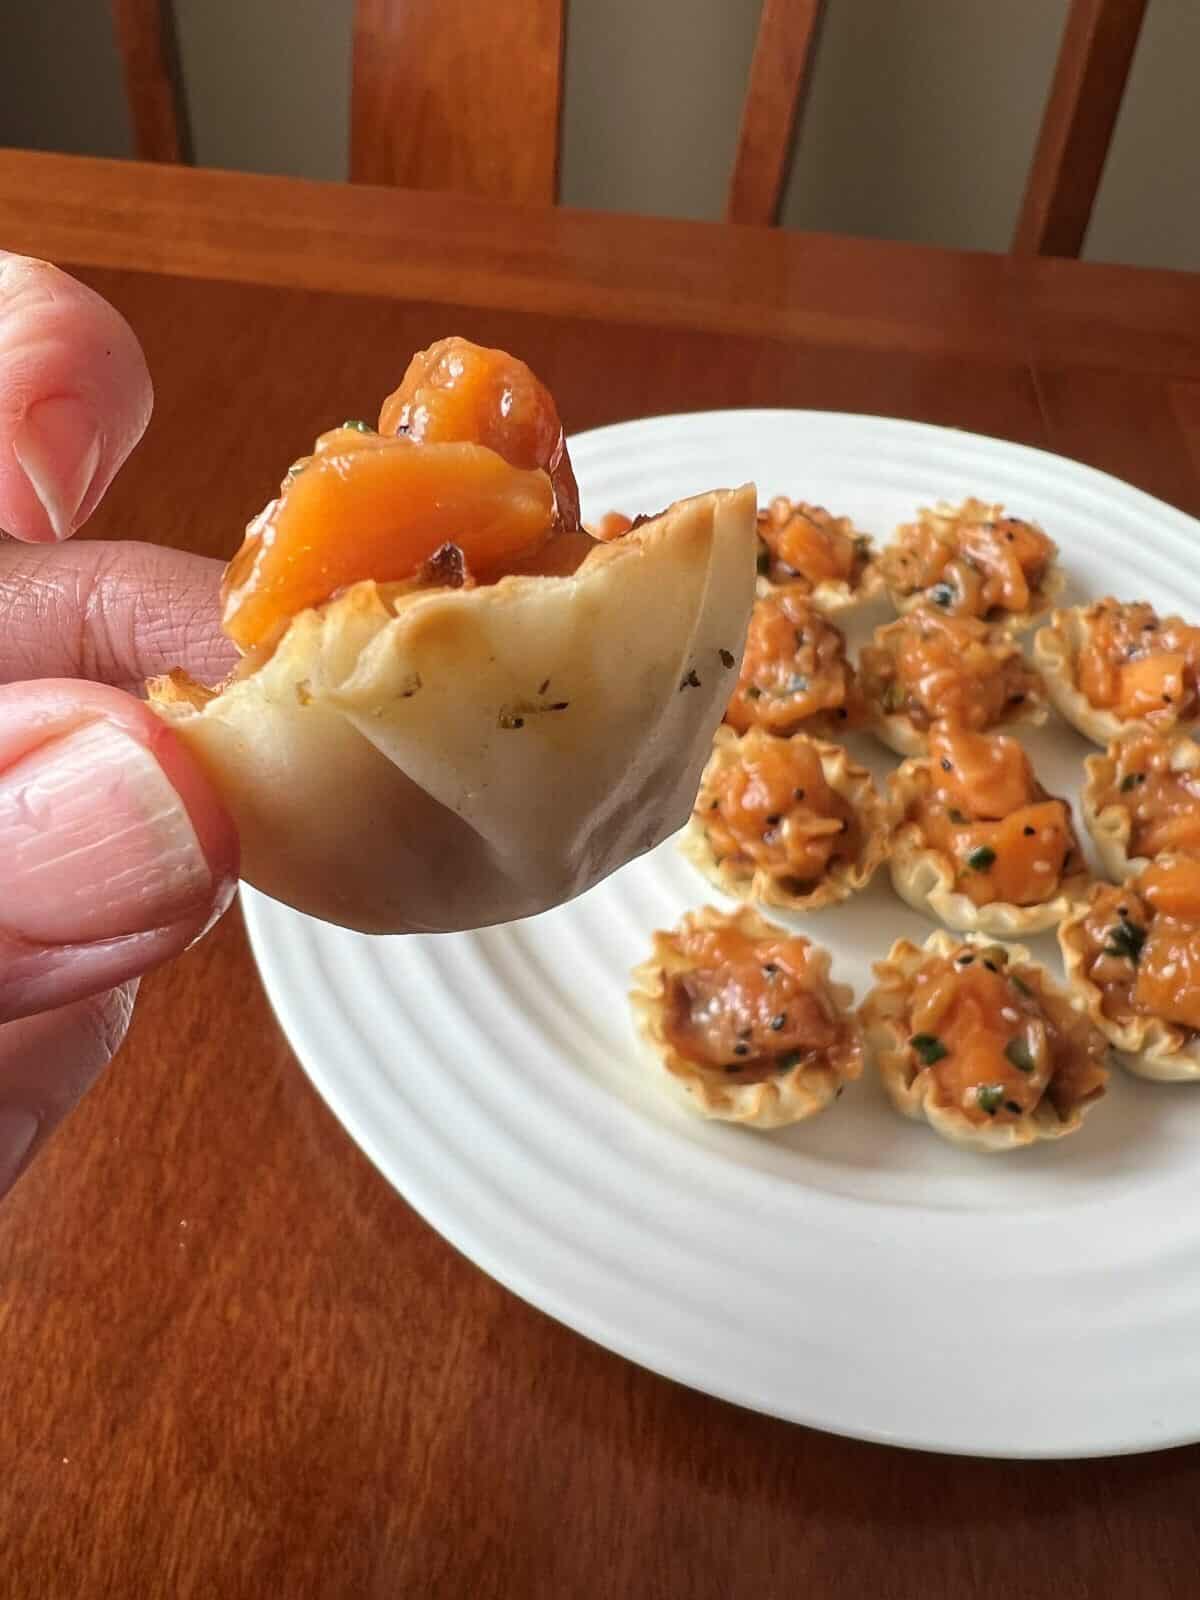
{"x": 779, "y": 1021}
{"x": 774, "y": 820}
{"x": 965, "y": 961}
{"x": 797, "y": 794}
{"x": 947, "y": 765}
{"x": 1029, "y": 832}
{"x": 842, "y": 713}
{"x": 991, "y": 966}
{"x": 741, "y": 1049}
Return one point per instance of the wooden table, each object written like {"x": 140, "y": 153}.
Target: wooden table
{"x": 235, "y": 1363}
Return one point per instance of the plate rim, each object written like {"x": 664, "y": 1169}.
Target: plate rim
{"x": 570, "y": 1311}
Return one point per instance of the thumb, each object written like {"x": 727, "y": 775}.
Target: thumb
{"x": 117, "y": 854}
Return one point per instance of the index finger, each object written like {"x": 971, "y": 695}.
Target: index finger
{"x": 75, "y": 397}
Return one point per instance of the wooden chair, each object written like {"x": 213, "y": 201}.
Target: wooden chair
{"x": 427, "y": 109}
{"x": 498, "y": 133}
{"x": 1094, "y": 58}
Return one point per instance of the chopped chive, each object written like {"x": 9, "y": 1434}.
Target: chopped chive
{"x": 789, "y": 1059}
{"x": 1128, "y": 782}
{"x": 1126, "y": 940}
{"x": 1019, "y": 984}
{"x": 753, "y": 692}
{"x": 941, "y": 594}
{"x": 929, "y": 1047}
{"x": 982, "y": 859}
{"x": 956, "y": 815}
{"x": 764, "y": 562}
{"x": 1019, "y": 1053}
{"x": 358, "y": 427}
{"x": 989, "y": 1097}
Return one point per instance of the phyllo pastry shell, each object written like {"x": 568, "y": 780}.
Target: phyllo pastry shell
{"x": 979, "y": 844}
{"x": 795, "y": 676}
{"x": 442, "y": 758}
{"x": 928, "y": 667}
{"x": 826, "y": 557}
{"x": 744, "y": 1021}
{"x": 973, "y": 561}
{"x": 1132, "y": 955}
{"x": 975, "y": 1039}
{"x": 785, "y": 822}
{"x": 1141, "y": 799}
{"x": 1116, "y": 668}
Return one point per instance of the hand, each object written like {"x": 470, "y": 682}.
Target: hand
{"x": 116, "y": 852}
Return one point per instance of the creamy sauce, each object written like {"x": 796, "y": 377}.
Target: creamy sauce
{"x": 981, "y": 806}
{"x": 1142, "y": 945}
{"x": 930, "y": 666}
{"x": 974, "y": 567}
{"x": 772, "y": 809}
{"x": 1139, "y": 665}
{"x": 994, "y": 1042}
{"x": 1163, "y": 805}
{"x": 794, "y": 671}
{"x": 751, "y": 1008}
{"x": 805, "y": 545}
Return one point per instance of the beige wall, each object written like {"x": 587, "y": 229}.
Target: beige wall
{"x": 920, "y": 124}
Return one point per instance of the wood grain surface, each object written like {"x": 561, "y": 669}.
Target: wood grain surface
{"x": 460, "y": 95}
{"x": 235, "y": 1362}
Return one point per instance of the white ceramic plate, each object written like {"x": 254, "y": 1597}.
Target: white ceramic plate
{"x": 855, "y": 1273}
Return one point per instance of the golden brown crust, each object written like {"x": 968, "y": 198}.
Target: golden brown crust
{"x": 450, "y": 758}
{"x": 786, "y": 1097}
{"x": 912, "y": 1091}
{"x": 926, "y": 877}
{"x": 749, "y": 881}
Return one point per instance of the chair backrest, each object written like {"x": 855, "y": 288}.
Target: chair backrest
{"x": 458, "y": 94}
{"x": 446, "y": 94}
{"x": 1098, "y": 43}
{"x": 432, "y": 110}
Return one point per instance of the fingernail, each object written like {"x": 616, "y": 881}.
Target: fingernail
{"x": 96, "y": 842}
{"x": 18, "y": 1130}
{"x": 58, "y": 444}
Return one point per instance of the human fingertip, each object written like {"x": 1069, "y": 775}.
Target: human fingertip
{"x": 58, "y": 445}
